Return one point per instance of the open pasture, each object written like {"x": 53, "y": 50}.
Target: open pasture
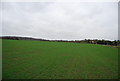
{"x": 25, "y": 59}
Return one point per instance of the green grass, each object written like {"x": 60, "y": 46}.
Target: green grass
{"x": 23, "y": 59}
{"x": 0, "y": 59}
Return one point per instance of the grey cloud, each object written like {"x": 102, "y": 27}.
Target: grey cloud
{"x": 61, "y": 20}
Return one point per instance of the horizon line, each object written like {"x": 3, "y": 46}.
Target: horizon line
{"x": 57, "y": 39}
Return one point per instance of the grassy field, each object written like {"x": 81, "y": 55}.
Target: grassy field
{"x": 24, "y": 59}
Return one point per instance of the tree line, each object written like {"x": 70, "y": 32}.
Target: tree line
{"x": 90, "y": 41}
{"x": 103, "y": 42}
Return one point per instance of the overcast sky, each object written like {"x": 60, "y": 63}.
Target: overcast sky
{"x": 61, "y": 20}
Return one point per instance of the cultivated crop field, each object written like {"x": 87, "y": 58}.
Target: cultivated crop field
{"x": 25, "y": 59}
